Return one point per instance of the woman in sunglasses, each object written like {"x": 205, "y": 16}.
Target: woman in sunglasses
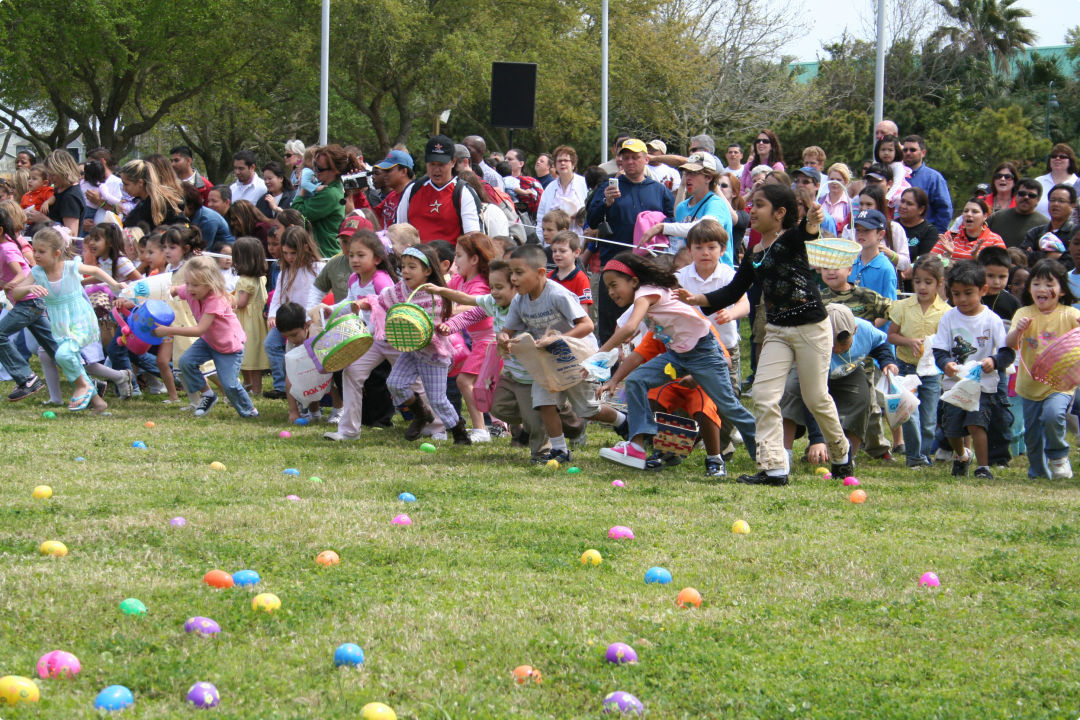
{"x": 1061, "y": 169}
{"x": 1002, "y": 194}
{"x": 325, "y": 209}
{"x": 765, "y": 150}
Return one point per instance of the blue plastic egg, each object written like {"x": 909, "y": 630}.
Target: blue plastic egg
{"x": 658, "y": 575}
{"x": 301, "y": 421}
{"x": 406, "y": 497}
{"x": 114, "y": 698}
{"x": 348, "y": 655}
{"x": 138, "y": 445}
{"x": 245, "y": 578}
{"x": 290, "y": 471}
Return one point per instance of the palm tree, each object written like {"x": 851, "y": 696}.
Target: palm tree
{"x": 981, "y": 28}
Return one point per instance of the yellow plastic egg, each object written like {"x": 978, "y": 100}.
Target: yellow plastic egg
{"x": 377, "y": 711}
{"x": 217, "y": 465}
{"x": 15, "y": 689}
{"x": 42, "y": 492}
{"x": 740, "y": 527}
{"x": 591, "y": 557}
{"x": 265, "y": 602}
{"x": 552, "y": 464}
{"x": 54, "y": 548}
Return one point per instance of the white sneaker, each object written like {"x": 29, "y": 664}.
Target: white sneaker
{"x": 736, "y": 438}
{"x": 441, "y": 435}
{"x": 480, "y": 435}
{"x": 1060, "y": 469}
{"x": 339, "y": 437}
{"x": 335, "y": 416}
{"x": 943, "y": 455}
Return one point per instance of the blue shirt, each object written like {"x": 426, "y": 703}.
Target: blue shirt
{"x": 636, "y": 198}
{"x": 868, "y": 340}
{"x": 710, "y": 206}
{"x": 939, "y": 214}
{"x": 214, "y": 228}
{"x": 878, "y": 275}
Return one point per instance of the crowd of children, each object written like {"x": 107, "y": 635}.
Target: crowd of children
{"x": 834, "y": 339}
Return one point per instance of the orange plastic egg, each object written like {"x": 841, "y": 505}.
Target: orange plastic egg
{"x": 857, "y": 496}
{"x": 327, "y": 558}
{"x": 687, "y": 597}
{"x": 218, "y": 579}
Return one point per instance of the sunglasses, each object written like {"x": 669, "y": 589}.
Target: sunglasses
{"x": 1003, "y": 176}
{"x": 1059, "y": 157}
{"x": 763, "y": 141}
{"x": 911, "y": 150}
{"x": 1023, "y": 194}
{"x": 319, "y": 169}
{"x": 724, "y": 185}
{"x": 290, "y": 154}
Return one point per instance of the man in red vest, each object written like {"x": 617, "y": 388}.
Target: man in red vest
{"x": 435, "y": 205}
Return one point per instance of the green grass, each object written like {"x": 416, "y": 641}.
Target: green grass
{"x": 815, "y": 614}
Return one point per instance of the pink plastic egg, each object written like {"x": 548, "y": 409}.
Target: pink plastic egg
{"x": 58, "y": 664}
{"x": 620, "y": 532}
{"x": 284, "y": 434}
{"x": 851, "y": 481}
{"x": 618, "y": 483}
{"x": 929, "y": 579}
{"x": 402, "y": 519}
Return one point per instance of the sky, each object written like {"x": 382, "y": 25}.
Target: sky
{"x": 1050, "y": 19}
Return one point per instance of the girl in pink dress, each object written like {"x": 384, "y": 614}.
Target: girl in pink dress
{"x": 471, "y": 257}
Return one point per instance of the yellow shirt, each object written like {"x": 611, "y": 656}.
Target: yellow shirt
{"x": 912, "y": 322}
{"x": 1045, "y": 328}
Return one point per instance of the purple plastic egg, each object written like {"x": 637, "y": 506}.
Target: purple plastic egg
{"x": 620, "y": 654}
{"x": 202, "y": 626}
{"x": 203, "y": 695}
{"x": 178, "y": 521}
{"x": 624, "y": 703}
{"x": 293, "y": 498}
{"x": 58, "y": 664}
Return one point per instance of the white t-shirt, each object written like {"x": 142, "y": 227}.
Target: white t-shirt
{"x": 722, "y": 276}
{"x": 667, "y": 176}
{"x": 971, "y": 337}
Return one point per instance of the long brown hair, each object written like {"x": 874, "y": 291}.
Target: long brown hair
{"x": 243, "y": 217}
{"x": 299, "y": 240}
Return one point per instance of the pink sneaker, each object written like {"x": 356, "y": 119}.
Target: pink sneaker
{"x": 625, "y": 454}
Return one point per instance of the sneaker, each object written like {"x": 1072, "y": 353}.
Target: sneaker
{"x": 252, "y": 415}
{"x": 843, "y": 470}
{"x": 274, "y": 395}
{"x": 441, "y": 435}
{"x": 921, "y": 461}
{"x": 154, "y": 386}
{"x": 960, "y": 467}
{"x": 623, "y": 429}
{"x": 943, "y": 455}
{"x": 660, "y": 460}
{"x": 625, "y": 453}
{"x": 736, "y": 438}
{"x": 498, "y": 429}
{"x": 1060, "y": 469}
{"x": 340, "y": 437}
{"x": 335, "y": 416}
{"x": 32, "y": 385}
{"x": 715, "y": 468}
{"x": 562, "y": 456}
{"x": 763, "y": 478}
{"x": 480, "y": 435}
{"x": 206, "y": 403}
{"x": 126, "y": 386}
{"x": 984, "y": 473}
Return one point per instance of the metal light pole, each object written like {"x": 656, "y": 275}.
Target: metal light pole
{"x": 1051, "y": 104}
{"x": 879, "y": 66}
{"x": 603, "y": 80}
{"x": 324, "y": 73}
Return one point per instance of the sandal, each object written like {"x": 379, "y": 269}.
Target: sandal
{"x": 81, "y": 402}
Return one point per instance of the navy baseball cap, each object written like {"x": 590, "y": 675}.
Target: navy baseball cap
{"x": 870, "y": 220}
{"x": 396, "y": 157}
{"x": 439, "y": 149}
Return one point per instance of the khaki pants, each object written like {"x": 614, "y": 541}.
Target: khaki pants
{"x": 513, "y": 404}
{"x": 809, "y": 348}
{"x": 726, "y": 428}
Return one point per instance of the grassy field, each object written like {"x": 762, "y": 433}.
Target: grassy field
{"x": 814, "y": 614}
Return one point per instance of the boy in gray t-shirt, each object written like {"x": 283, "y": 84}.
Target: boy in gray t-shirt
{"x": 541, "y": 306}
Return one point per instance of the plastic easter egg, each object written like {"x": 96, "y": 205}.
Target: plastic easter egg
{"x": 525, "y": 674}
{"x": 658, "y": 576}
{"x": 218, "y": 466}
{"x": 54, "y": 548}
{"x": 349, "y": 655}
{"x": 327, "y": 558}
{"x": 178, "y": 521}
{"x": 427, "y": 447}
{"x": 203, "y": 695}
{"x": 620, "y": 532}
{"x": 820, "y": 471}
{"x": 688, "y": 596}
{"x": 114, "y": 698}
{"x": 292, "y": 498}
{"x": 591, "y": 557}
{"x": 48, "y": 415}
{"x": 80, "y": 459}
{"x": 201, "y": 626}
{"x": 265, "y": 602}
{"x": 406, "y": 497}
{"x": 740, "y": 527}
{"x": 151, "y": 424}
{"x": 284, "y": 434}
{"x": 929, "y": 579}
{"x": 42, "y": 492}
{"x": 402, "y": 519}
{"x": 851, "y": 482}
{"x": 623, "y": 702}
{"x": 15, "y": 689}
{"x": 857, "y": 496}
{"x": 316, "y": 479}
{"x": 246, "y": 578}
{"x": 58, "y": 664}
{"x": 827, "y": 476}
{"x": 218, "y": 579}
{"x": 377, "y": 711}
{"x": 618, "y": 483}
{"x": 301, "y": 421}
{"x": 552, "y": 464}
{"x": 291, "y": 471}
{"x": 573, "y": 470}
{"x": 620, "y": 654}
{"x": 138, "y": 445}
{"x": 132, "y": 606}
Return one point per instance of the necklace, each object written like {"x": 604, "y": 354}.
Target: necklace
{"x": 764, "y": 254}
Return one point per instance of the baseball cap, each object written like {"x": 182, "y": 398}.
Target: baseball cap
{"x": 396, "y": 157}
{"x": 658, "y": 145}
{"x": 633, "y": 145}
{"x": 1051, "y": 243}
{"x": 439, "y": 149}
{"x": 811, "y": 172}
{"x": 461, "y": 152}
{"x": 701, "y": 161}
{"x": 841, "y": 319}
{"x": 352, "y": 223}
{"x": 870, "y": 219}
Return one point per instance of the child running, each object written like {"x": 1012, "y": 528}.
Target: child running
{"x": 472, "y": 257}
{"x": 249, "y": 297}
{"x": 1047, "y": 315}
{"x": 220, "y": 338}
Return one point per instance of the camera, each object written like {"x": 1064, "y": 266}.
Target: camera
{"x": 357, "y": 181}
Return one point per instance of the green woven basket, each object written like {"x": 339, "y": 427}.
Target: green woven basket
{"x": 408, "y": 326}
{"x": 343, "y": 339}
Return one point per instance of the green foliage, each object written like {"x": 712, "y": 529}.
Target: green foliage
{"x": 844, "y": 135}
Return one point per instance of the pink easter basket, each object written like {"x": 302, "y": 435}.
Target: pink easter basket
{"x": 488, "y": 379}
{"x": 1059, "y": 364}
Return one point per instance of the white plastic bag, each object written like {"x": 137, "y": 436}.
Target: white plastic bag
{"x": 927, "y": 367}
{"x": 967, "y": 393}
{"x": 899, "y": 397}
{"x": 598, "y": 367}
{"x": 306, "y": 383}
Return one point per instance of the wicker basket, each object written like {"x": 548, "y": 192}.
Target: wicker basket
{"x": 1059, "y": 364}
{"x": 832, "y": 253}
{"x": 675, "y": 434}
{"x": 344, "y": 339}
{"x": 408, "y": 326}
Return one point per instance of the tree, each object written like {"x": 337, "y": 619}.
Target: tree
{"x": 985, "y": 28}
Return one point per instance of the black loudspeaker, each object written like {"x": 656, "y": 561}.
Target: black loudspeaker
{"x": 513, "y": 94}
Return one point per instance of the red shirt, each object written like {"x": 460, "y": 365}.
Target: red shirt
{"x": 387, "y": 209}
{"x": 433, "y": 214}
{"x": 576, "y": 282}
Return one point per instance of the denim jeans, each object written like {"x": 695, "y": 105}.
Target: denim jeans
{"x": 275, "y": 350}
{"x": 121, "y": 358}
{"x": 228, "y": 372}
{"x": 28, "y": 314}
{"x": 706, "y": 363}
{"x": 1044, "y": 431}
{"x": 919, "y": 428}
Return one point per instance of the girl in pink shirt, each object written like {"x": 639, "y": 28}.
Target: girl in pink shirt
{"x": 220, "y": 338}
{"x": 471, "y": 257}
